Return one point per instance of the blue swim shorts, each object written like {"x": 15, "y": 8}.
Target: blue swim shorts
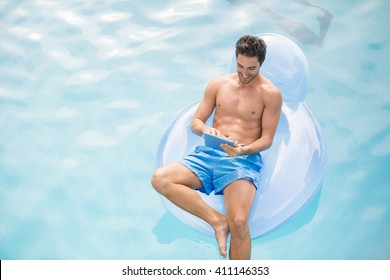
{"x": 216, "y": 170}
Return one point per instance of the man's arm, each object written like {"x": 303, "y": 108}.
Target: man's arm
{"x": 205, "y": 109}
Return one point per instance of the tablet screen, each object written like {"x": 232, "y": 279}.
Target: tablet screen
{"x": 213, "y": 141}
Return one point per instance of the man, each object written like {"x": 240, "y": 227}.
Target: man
{"x": 247, "y": 109}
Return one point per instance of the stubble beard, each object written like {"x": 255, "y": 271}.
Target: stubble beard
{"x": 247, "y": 80}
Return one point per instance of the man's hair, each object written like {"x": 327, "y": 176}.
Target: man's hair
{"x": 251, "y": 46}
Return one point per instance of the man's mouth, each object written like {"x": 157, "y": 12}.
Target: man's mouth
{"x": 245, "y": 77}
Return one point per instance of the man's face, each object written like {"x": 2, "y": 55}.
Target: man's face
{"x": 247, "y": 68}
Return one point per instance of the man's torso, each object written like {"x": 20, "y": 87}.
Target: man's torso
{"x": 239, "y": 109}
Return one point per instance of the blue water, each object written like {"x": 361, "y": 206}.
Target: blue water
{"x": 87, "y": 89}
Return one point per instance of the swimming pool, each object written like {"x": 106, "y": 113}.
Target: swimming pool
{"x": 88, "y": 88}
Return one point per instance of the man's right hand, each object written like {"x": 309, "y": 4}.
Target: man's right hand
{"x": 213, "y": 131}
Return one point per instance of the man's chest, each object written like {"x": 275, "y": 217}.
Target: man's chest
{"x": 241, "y": 105}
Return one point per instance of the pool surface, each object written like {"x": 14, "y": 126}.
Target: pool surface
{"x": 88, "y": 88}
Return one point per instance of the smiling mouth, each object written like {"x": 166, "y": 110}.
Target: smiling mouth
{"x": 247, "y": 77}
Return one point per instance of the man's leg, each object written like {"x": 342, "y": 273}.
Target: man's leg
{"x": 176, "y": 182}
{"x": 239, "y": 197}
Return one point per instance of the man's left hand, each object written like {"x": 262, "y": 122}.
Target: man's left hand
{"x": 233, "y": 151}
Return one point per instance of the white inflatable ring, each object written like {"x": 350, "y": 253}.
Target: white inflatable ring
{"x": 293, "y": 166}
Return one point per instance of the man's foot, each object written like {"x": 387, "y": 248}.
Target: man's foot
{"x": 221, "y": 233}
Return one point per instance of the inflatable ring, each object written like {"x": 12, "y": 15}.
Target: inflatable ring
{"x": 293, "y": 166}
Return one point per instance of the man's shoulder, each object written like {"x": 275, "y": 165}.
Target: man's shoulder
{"x": 270, "y": 92}
{"x": 268, "y": 87}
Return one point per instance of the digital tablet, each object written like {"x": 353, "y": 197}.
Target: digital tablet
{"x": 214, "y": 141}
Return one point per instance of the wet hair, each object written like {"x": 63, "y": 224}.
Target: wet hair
{"x": 251, "y": 46}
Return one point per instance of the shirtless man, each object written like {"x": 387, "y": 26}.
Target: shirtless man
{"x": 247, "y": 107}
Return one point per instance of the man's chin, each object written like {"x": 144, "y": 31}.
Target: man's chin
{"x": 246, "y": 81}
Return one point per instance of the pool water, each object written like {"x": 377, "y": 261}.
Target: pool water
{"x": 88, "y": 88}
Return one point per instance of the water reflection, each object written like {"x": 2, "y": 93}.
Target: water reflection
{"x": 297, "y": 29}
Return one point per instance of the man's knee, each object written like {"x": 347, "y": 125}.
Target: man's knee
{"x": 238, "y": 225}
{"x": 160, "y": 179}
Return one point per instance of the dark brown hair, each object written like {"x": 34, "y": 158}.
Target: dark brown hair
{"x": 251, "y": 46}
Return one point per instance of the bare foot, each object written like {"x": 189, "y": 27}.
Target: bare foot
{"x": 221, "y": 233}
